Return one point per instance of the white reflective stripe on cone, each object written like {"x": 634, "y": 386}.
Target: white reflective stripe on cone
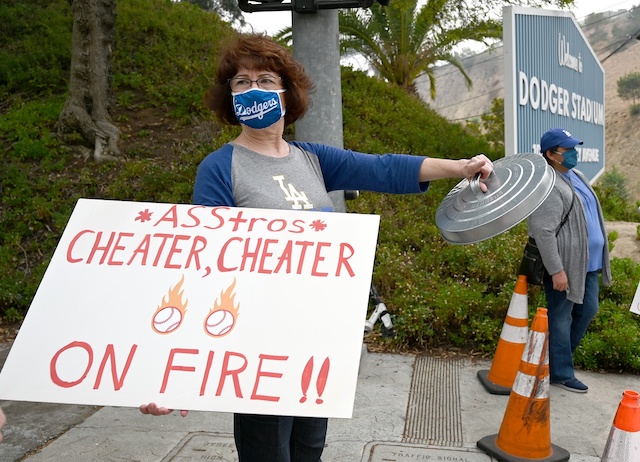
{"x": 528, "y": 385}
{"x": 520, "y": 302}
{"x": 514, "y": 334}
{"x": 525, "y": 385}
{"x": 622, "y": 446}
{"x": 533, "y": 349}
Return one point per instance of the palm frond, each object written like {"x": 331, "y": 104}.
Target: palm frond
{"x": 406, "y": 39}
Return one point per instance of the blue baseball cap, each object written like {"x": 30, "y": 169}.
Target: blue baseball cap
{"x": 557, "y": 137}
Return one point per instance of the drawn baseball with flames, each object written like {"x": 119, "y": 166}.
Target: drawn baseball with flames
{"x": 170, "y": 313}
{"x": 219, "y": 322}
{"x": 222, "y": 317}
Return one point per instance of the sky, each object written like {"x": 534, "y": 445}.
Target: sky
{"x": 274, "y": 21}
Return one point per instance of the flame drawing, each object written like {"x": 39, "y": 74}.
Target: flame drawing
{"x": 171, "y": 311}
{"x": 222, "y": 317}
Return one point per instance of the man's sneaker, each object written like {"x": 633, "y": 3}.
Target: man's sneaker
{"x": 574, "y": 385}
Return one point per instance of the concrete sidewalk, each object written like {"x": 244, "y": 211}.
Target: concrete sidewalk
{"x": 407, "y": 408}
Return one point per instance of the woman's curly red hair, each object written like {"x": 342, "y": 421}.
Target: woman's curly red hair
{"x": 260, "y": 53}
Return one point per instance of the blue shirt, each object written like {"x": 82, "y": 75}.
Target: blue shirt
{"x": 594, "y": 230}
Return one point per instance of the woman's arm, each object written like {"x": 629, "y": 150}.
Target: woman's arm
{"x": 433, "y": 168}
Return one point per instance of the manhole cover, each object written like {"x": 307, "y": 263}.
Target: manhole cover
{"x": 203, "y": 446}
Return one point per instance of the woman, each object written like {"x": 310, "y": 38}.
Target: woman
{"x": 569, "y": 231}
{"x": 260, "y": 87}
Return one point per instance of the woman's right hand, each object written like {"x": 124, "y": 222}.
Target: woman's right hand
{"x": 154, "y": 409}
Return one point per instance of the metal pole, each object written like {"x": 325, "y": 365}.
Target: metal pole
{"x": 316, "y": 45}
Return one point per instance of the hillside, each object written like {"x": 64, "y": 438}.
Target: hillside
{"x": 606, "y": 32}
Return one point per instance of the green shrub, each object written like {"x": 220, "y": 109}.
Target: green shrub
{"x": 613, "y": 237}
{"x": 387, "y": 109}
{"x": 614, "y": 196}
{"x": 611, "y": 341}
{"x": 626, "y": 276}
{"x": 35, "y": 51}
{"x": 167, "y": 57}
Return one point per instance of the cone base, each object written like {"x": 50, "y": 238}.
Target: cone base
{"x": 488, "y": 445}
{"x": 491, "y": 387}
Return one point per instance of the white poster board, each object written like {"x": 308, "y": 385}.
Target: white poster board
{"x": 199, "y": 308}
{"x": 635, "y": 304}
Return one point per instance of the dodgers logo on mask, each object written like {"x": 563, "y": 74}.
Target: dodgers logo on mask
{"x": 258, "y": 108}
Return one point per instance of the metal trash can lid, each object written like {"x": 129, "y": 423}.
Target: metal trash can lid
{"x": 518, "y": 185}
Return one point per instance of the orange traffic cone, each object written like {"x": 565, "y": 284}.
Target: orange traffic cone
{"x": 623, "y": 444}
{"x": 513, "y": 339}
{"x": 525, "y": 433}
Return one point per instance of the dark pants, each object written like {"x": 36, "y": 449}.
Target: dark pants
{"x": 568, "y": 322}
{"x": 268, "y": 438}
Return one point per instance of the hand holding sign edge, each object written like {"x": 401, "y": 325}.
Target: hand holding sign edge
{"x": 155, "y": 410}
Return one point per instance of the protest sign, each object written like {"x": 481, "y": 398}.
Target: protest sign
{"x": 199, "y": 308}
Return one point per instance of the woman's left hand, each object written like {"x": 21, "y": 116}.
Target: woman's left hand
{"x": 478, "y": 164}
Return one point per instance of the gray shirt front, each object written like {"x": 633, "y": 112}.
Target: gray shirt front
{"x": 294, "y": 182}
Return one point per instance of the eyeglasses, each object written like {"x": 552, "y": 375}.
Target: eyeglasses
{"x": 266, "y": 82}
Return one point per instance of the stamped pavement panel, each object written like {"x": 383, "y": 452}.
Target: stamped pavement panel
{"x": 203, "y": 446}
{"x": 402, "y": 452}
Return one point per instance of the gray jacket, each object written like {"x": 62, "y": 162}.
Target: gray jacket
{"x": 570, "y": 249}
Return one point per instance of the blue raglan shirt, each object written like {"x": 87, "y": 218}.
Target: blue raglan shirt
{"x": 221, "y": 178}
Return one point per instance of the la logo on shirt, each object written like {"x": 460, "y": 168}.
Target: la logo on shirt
{"x": 299, "y": 200}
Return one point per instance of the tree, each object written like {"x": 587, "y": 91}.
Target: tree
{"x": 404, "y": 40}
{"x": 229, "y": 10}
{"x": 91, "y": 98}
{"x": 86, "y": 110}
{"x": 491, "y": 125}
{"x": 629, "y": 86}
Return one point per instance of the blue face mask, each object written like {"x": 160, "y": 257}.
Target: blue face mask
{"x": 570, "y": 158}
{"x": 258, "y": 108}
